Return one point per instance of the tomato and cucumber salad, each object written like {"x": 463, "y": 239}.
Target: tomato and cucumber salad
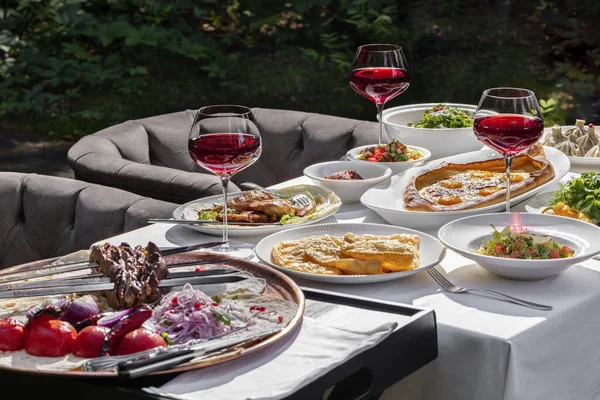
{"x": 523, "y": 246}
{"x": 395, "y": 151}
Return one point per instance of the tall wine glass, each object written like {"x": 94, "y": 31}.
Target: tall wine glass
{"x": 508, "y": 120}
{"x": 379, "y": 73}
{"x": 224, "y": 139}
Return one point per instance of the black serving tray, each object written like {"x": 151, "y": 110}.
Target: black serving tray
{"x": 410, "y": 347}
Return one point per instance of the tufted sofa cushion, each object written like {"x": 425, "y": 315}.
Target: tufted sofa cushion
{"x": 45, "y": 216}
{"x": 150, "y": 157}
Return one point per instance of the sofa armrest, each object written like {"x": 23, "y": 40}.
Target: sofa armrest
{"x": 153, "y": 181}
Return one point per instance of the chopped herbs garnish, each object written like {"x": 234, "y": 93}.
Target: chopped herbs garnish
{"x": 442, "y": 116}
{"x": 216, "y": 299}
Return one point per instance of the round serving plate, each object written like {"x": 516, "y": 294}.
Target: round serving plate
{"x": 387, "y": 198}
{"x": 274, "y": 282}
{"x": 431, "y": 250}
{"x": 188, "y": 211}
{"x": 466, "y": 235}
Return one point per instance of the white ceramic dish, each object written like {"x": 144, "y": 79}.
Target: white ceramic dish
{"x": 396, "y": 167}
{"x": 441, "y": 142}
{"x": 467, "y": 234}
{"x": 431, "y": 250}
{"x": 187, "y": 211}
{"x": 387, "y": 198}
{"x": 592, "y": 162}
{"x": 348, "y": 191}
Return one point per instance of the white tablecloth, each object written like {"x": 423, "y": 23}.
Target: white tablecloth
{"x": 488, "y": 349}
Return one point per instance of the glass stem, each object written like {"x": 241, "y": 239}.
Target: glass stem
{"x": 225, "y": 182}
{"x": 380, "y": 114}
{"x": 508, "y": 163}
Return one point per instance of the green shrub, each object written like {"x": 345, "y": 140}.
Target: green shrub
{"x": 71, "y": 67}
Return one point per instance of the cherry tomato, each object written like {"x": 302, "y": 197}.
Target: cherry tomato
{"x": 554, "y": 253}
{"x": 139, "y": 340}
{"x": 89, "y": 341}
{"x": 372, "y": 159}
{"x": 53, "y": 338}
{"x": 32, "y": 323}
{"x": 565, "y": 250}
{"x": 499, "y": 248}
{"x": 13, "y": 334}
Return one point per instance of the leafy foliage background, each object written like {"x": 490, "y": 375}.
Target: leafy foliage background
{"x": 72, "y": 67}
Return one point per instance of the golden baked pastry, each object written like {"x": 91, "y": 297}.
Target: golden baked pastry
{"x": 351, "y": 255}
{"x": 454, "y": 187}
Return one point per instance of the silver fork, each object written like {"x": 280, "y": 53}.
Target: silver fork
{"x": 299, "y": 199}
{"x": 448, "y": 286}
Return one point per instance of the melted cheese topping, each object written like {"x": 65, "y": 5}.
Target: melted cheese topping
{"x": 469, "y": 186}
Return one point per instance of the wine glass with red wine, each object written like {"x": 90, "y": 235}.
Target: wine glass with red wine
{"x": 379, "y": 73}
{"x": 510, "y": 121}
{"x": 224, "y": 139}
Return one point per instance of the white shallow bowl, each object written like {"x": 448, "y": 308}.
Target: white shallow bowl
{"x": 348, "y": 191}
{"x": 431, "y": 250}
{"x": 441, "y": 142}
{"x": 467, "y": 234}
{"x": 396, "y": 167}
{"x": 387, "y": 198}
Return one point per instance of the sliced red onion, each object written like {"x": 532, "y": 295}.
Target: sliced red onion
{"x": 54, "y": 307}
{"x": 110, "y": 319}
{"x": 80, "y": 309}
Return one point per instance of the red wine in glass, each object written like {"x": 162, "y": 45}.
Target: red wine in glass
{"x": 224, "y": 139}
{"x": 379, "y": 84}
{"x": 224, "y": 153}
{"x": 379, "y": 73}
{"x": 508, "y": 134}
{"x": 510, "y": 121}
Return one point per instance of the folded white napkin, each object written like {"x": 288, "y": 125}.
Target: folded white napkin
{"x": 280, "y": 369}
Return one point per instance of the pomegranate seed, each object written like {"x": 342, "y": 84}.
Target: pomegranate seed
{"x": 214, "y": 304}
{"x": 280, "y": 319}
{"x": 591, "y": 125}
{"x": 252, "y": 308}
{"x": 261, "y": 308}
{"x": 174, "y": 300}
{"x": 197, "y": 305}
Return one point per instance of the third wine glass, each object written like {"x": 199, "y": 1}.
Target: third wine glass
{"x": 379, "y": 73}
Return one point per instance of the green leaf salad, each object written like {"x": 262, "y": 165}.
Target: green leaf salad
{"x": 442, "y": 116}
{"x": 523, "y": 245}
{"x": 582, "y": 194}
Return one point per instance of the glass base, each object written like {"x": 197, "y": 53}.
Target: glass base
{"x": 234, "y": 251}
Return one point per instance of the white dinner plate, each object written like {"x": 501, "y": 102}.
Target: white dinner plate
{"x": 466, "y": 235}
{"x": 387, "y": 199}
{"x": 188, "y": 211}
{"x": 431, "y": 250}
{"x": 575, "y": 161}
{"x": 537, "y": 203}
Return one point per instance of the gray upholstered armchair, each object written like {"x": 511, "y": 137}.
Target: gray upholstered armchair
{"x": 44, "y": 216}
{"x": 150, "y": 157}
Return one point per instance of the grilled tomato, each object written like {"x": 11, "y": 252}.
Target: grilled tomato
{"x": 139, "y": 340}
{"x": 13, "y": 334}
{"x": 53, "y": 338}
{"x": 89, "y": 341}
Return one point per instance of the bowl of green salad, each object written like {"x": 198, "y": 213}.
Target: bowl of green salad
{"x": 445, "y": 129}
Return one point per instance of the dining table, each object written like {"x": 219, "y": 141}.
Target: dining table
{"x": 487, "y": 348}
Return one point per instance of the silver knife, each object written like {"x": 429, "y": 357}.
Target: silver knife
{"x": 167, "y": 359}
{"x": 99, "y": 287}
{"x": 5, "y": 276}
{"x": 203, "y": 222}
{"x": 99, "y": 278}
{"x": 59, "y": 269}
